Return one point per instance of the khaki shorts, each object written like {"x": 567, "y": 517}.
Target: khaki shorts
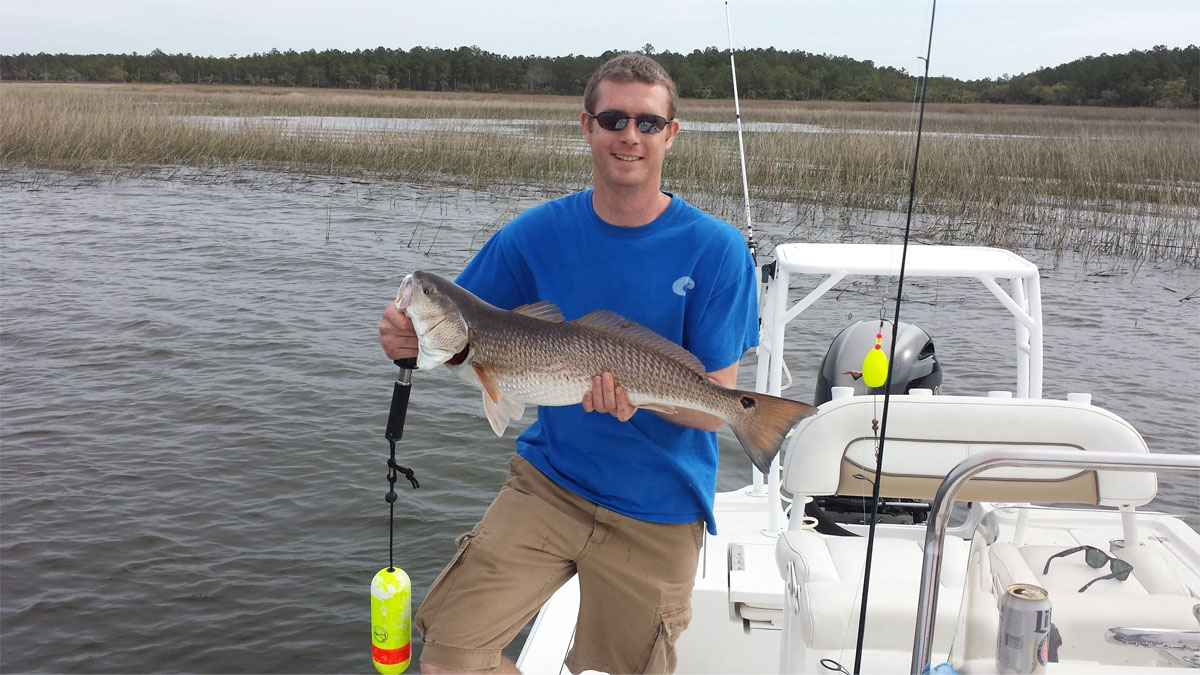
{"x": 635, "y": 580}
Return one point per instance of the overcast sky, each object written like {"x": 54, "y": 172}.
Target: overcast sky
{"x": 972, "y": 38}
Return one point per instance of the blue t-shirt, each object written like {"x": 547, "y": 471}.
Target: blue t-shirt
{"x": 688, "y": 277}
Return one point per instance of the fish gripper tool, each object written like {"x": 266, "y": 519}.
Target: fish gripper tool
{"x": 395, "y": 425}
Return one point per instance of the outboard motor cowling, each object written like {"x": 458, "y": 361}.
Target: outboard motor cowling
{"x": 913, "y": 366}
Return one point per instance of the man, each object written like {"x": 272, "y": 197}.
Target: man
{"x": 599, "y": 489}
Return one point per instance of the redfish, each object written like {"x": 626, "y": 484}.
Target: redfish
{"x": 531, "y": 355}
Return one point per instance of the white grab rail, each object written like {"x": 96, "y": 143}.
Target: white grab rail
{"x": 939, "y": 512}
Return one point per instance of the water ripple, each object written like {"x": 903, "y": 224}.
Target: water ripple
{"x": 193, "y": 404}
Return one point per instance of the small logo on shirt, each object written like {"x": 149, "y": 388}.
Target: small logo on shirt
{"x": 682, "y": 285}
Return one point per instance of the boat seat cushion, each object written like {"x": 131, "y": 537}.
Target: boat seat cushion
{"x": 1149, "y": 598}
{"x": 828, "y": 581}
{"x": 1069, "y": 573}
{"x": 929, "y": 435}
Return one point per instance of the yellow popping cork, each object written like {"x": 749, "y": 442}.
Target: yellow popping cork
{"x": 875, "y": 365}
{"x": 391, "y": 622}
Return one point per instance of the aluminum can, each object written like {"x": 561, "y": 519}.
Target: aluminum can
{"x": 1022, "y": 643}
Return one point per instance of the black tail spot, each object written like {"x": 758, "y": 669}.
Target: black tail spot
{"x": 747, "y": 402}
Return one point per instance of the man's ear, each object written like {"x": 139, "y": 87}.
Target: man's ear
{"x": 672, "y": 128}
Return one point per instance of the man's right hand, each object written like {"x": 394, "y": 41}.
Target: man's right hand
{"x": 396, "y": 334}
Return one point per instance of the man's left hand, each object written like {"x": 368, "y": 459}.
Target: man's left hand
{"x": 607, "y": 397}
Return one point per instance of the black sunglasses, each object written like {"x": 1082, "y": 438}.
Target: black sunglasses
{"x": 1096, "y": 558}
{"x": 616, "y": 121}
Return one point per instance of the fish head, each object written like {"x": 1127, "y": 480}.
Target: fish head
{"x": 431, "y": 303}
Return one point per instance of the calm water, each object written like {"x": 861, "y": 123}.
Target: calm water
{"x": 193, "y": 402}
{"x": 347, "y": 127}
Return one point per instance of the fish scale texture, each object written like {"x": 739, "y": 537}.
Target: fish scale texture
{"x": 557, "y": 367}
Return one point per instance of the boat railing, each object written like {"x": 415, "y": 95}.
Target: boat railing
{"x": 827, "y": 264}
{"x": 940, "y": 509}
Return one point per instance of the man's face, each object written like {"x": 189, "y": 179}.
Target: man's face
{"x": 628, "y": 158}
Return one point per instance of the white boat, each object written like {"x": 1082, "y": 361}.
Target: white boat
{"x": 774, "y": 594}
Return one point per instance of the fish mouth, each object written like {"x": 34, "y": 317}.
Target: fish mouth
{"x": 404, "y": 295}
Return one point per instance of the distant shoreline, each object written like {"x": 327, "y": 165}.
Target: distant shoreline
{"x": 1156, "y": 77}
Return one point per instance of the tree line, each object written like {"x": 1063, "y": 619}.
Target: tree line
{"x": 1161, "y": 76}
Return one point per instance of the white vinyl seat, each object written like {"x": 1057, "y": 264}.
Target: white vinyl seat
{"x": 823, "y": 589}
{"x": 930, "y": 435}
{"x": 1149, "y": 597}
{"x": 927, "y": 437}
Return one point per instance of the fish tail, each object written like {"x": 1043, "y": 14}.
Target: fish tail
{"x": 765, "y": 422}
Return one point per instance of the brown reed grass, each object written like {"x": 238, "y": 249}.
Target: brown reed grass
{"x": 1122, "y": 181}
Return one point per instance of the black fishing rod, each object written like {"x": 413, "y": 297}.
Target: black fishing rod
{"x": 887, "y": 390}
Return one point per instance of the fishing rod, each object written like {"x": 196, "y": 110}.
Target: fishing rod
{"x": 887, "y": 391}
{"x": 759, "y": 272}
{"x": 737, "y": 114}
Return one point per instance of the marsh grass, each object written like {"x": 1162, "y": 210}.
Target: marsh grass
{"x": 1120, "y": 181}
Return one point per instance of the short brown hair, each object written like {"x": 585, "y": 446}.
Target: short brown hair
{"x": 631, "y": 67}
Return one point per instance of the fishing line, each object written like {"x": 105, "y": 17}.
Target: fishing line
{"x": 887, "y": 392}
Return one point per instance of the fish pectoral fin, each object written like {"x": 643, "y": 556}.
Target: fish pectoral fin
{"x": 489, "y": 386}
{"x": 501, "y": 412}
{"x": 659, "y": 408}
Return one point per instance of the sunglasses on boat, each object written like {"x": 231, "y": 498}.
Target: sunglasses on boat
{"x": 616, "y": 121}
{"x": 1119, "y": 569}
